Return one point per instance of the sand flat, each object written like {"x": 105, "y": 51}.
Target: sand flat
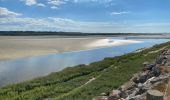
{"x": 111, "y": 42}
{"x": 12, "y": 47}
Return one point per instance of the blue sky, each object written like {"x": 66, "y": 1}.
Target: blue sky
{"x": 85, "y": 15}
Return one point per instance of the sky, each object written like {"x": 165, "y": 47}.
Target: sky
{"x": 109, "y": 16}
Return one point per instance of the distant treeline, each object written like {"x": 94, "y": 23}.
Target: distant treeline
{"x": 37, "y": 33}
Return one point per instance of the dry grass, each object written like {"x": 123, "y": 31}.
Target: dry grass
{"x": 164, "y": 69}
{"x": 164, "y": 88}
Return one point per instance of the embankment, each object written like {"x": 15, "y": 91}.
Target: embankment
{"x": 83, "y": 82}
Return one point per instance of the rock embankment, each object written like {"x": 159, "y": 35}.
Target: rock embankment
{"x": 151, "y": 77}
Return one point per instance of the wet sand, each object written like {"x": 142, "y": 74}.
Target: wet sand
{"x": 12, "y": 47}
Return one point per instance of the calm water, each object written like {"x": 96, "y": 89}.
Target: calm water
{"x": 28, "y": 68}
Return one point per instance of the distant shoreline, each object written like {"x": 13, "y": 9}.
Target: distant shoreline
{"x": 42, "y": 33}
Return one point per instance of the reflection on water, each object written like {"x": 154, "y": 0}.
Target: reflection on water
{"x": 28, "y": 68}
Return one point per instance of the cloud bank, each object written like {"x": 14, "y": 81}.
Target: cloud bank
{"x": 4, "y": 12}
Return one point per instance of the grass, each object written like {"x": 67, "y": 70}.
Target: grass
{"x": 165, "y": 89}
{"x": 70, "y": 83}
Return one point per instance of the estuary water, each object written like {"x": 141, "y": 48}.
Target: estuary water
{"x": 14, "y": 71}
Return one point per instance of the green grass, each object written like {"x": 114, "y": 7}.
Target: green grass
{"x": 69, "y": 84}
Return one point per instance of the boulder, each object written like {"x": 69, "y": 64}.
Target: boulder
{"x": 149, "y": 66}
{"x": 143, "y": 78}
{"x": 160, "y": 78}
{"x": 168, "y": 62}
{"x": 123, "y": 94}
{"x": 140, "y": 85}
{"x": 128, "y": 85}
{"x": 161, "y": 60}
{"x": 154, "y": 95}
{"x": 115, "y": 93}
{"x": 156, "y": 72}
{"x": 141, "y": 91}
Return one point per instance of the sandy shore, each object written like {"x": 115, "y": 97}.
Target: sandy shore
{"x": 12, "y": 47}
{"x": 111, "y": 42}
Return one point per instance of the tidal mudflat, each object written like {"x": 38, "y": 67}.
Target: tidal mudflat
{"x": 12, "y": 47}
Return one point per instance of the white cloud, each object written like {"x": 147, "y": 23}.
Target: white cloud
{"x": 53, "y": 4}
{"x": 69, "y": 25}
{"x": 99, "y": 1}
{"x": 54, "y": 7}
{"x": 53, "y": 24}
{"x": 119, "y": 13}
{"x": 23, "y": 21}
{"x": 60, "y": 2}
{"x": 56, "y": 2}
{"x": 4, "y": 12}
{"x": 30, "y": 2}
{"x": 33, "y": 2}
{"x": 41, "y": 5}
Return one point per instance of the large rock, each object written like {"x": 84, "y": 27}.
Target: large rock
{"x": 128, "y": 85}
{"x": 143, "y": 77}
{"x": 168, "y": 63}
{"x": 160, "y": 78}
{"x": 115, "y": 93}
{"x": 155, "y": 71}
{"x": 154, "y": 95}
{"x": 161, "y": 60}
{"x": 152, "y": 75}
{"x": 164, "y": 58}
{"x": 150, "y": 66}
{"x": 140, "y": 85}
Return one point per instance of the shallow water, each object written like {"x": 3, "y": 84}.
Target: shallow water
{"x": 27, "y": 68}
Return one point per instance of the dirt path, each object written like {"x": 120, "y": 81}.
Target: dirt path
{"x": 77, "y": 89}
{"x": 151, "y": 52}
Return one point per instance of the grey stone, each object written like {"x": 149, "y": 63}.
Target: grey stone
{"x": 123, "y": 94}
{"x": 160, "y": 60}
{"x": 142, "y": 78}
{"x": 156, "y": 71}
{"x": 140, "y": 85}
{"x": 149, "y": 66}
{"x": 115, "y": 93}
